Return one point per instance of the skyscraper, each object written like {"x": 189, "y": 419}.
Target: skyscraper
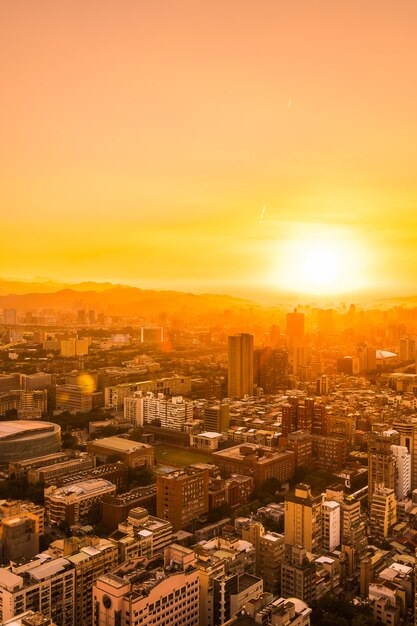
{"x": 303, "y": 519}
{"x": 240, "y": 379}
{"x": 295, "y": 326}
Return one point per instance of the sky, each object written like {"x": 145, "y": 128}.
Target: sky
{"x": 237, "y": 147}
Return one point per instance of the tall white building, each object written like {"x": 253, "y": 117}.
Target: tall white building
{"x": 331, "y": 525}
{"x": 133, "y": 409}
{"x": 403, "y": 471}
{"x": 170, "y": 412}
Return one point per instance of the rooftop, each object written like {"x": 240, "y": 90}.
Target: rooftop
{"x": 83, "y": 488}
{"x": 25, "y": 429}
{"x": 119, "y": 444}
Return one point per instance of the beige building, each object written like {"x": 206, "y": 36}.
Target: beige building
{"x": 21, "y": 524}
{"x": 141, "y": 535}
{"x": 383, "y": 513}
{"x": 298, "y": 575}
{"x": 73, "y": 502}
{"x": 269, "y": 548}
{"x": 89, "y": 562}
{"x": 132, "y": 453}
{"x": 74, "y": 347}
{"x": 165, "y": 595}
{"x": 303, "y": 520}
{"x": 381, "y": 461}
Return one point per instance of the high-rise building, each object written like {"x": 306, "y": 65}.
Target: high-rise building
{"x": 240, "y": 372}
{"x": 269, "y": 549}
{"x": 9, "y": 317}
{"x": 383, "y": 511}
{"x": 96, "y": 558}
{"x": 43, "y": 585}
{"x": 408, "y": 438}
{"x": 325, "y": 320}
{"x": 330, "y": 452}
{"x": 407, "y": 349}
{"x": 402, "y": 460}
{"x": 258, "y": 461}
{"x": 182, "y": 496}
{"x": 21, "y": 524}
{"x": 270, "y": 369}
{"x": 381, "y": 460}
{"x": 159, "y": 595}
{"x": 75, "y": 399}
{"x": 303, "y": 519}
{"x": 367, "y": 358}
{"x": 37, "y": 381}
{"x": 74, "y": 347}
{"x": 330, "y": 512}
{"x": 216, "y": 417}
{"x": 231, "y": 592}
{"x": 295, "y": 326}
{"x": 323, "y": 385}
{"x": 298, "y": 575}
{"x": 354, "y": 537}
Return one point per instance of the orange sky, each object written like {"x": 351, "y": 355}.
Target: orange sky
{"x": 141, "y": 139}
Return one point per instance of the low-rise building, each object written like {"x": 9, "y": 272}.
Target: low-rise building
{"x": 49, "y": 473}
{"x": 132, "y": 453}
{"x": 260, "y": 462}
{"x": 115, "y": 508}
{"x": 209, "y": 442}
{"x": 141, "y": 535}
{"x": 72, "y": 503}
{"x": 182, "y": 496}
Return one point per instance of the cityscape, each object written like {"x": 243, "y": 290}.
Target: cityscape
{"x": 208, "y": 313}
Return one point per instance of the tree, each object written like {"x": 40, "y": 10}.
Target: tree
{"x": 68, "y": 441}
{"x": 141, "y": 476}
{"x": 136, "y": 434}
{"x": 220, "y": 512}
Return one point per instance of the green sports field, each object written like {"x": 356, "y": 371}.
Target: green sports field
{"x": 179, "y": 457}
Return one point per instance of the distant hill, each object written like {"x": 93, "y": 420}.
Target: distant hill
{"x": 113, "y": 299}
{"x": 45, "y": 285}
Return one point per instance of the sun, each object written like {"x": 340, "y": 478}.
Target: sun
{"x": 322, "y": 262}
{"x": 321, "y": 265}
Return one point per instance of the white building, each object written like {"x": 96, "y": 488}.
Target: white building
{"x": 403, "y": 471}
{"x": 133, "y": 409}
{"x": 172, "y": 412}
{"x": 331, "y": 525}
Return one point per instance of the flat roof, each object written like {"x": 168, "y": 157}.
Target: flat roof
{"x": 119, "y": 444}
{"x": 82, "y": 487}
{"x": 8, "y": 579}
{"x": 25, "y": 429}
{"x": 50, "y": 568}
